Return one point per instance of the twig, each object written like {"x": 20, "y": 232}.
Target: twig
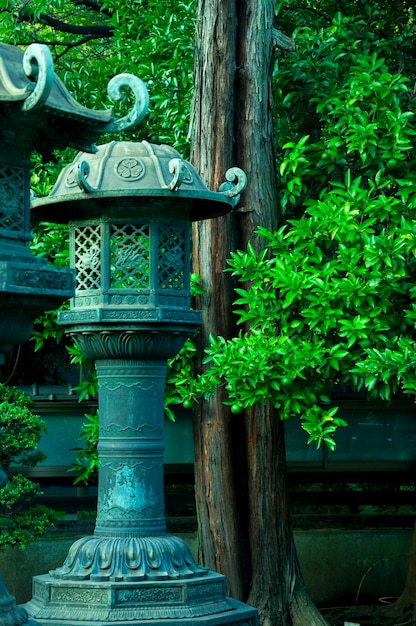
{"x": 398, "y": 556}
{"x": 15, "y": 365}
{"x": 282, "y": 41}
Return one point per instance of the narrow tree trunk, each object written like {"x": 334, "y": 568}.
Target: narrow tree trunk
{"x": 273, "y": 558}
{"x": 240, "y": 460}
{"x": 254, "y": 118}
{"x": 213, "y": 147}
{"x": 277, "y": 588}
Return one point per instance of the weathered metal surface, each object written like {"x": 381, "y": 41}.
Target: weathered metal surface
{"x": 130, "y": 207}
{"x": 38, "y": 113}
{"x": 37, "y": 109}
{"x": 130, "y": 271}
{"x": 147, "y": 179}
{"x": 199, "y": 601}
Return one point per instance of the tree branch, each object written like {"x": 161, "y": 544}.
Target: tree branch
{"x": 73, "y": 29}
{"x": 280, "y": 40}
{"x": 73, "y": 44}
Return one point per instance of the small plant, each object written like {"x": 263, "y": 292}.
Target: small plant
{"x": 20, "y": 432}
{"x": 85, "y": 464}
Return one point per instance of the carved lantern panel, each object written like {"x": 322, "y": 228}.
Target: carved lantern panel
{"x": 130, "y": 263}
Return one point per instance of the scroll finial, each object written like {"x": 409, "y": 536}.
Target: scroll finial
{"x": 81, "y": 171}
{"x": 141, "y": 100}
{"x": 38, "y": 64}
{"x": 177, "y": 168}
{"x": 237, "y": 182}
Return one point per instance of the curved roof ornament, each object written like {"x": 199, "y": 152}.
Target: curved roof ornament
{"x": 236, "y": 183}
{"x": 38, "y": 65}
{"x": 32, "y": 96}
{"x": 134, "y": 176}
{"x": 141, "y": 99}
{"x": 178, "y": 169}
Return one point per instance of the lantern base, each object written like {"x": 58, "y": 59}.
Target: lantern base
{"x": 129, "y": 559}
{"x": 200, "y": 601}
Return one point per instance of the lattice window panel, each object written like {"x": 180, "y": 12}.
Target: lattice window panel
{"x": 88, "y": 258}
{"x": 129, "y": 256}
{"x": 12, "y": 190}
{"x": 171, "y": 258}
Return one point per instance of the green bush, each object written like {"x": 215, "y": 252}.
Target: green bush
{"x": 331, "y": 297}
{"x": 20, "y": 432}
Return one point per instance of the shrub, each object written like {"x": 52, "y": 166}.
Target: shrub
{"x": 20, "y": 431}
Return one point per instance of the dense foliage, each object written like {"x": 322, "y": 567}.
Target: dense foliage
{"x": 20, "y": 432}
{"x": 330, "y": 300}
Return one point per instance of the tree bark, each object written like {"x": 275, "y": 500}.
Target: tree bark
{"x": 273, "y": 558}
{"x": 241, "y": 488}
{"x": 213, "y": 154}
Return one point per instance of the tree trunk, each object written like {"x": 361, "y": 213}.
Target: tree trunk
{"x": 240, "y": 460}
{"x": 213, "y": 154}
{"x": 273, "y": 558}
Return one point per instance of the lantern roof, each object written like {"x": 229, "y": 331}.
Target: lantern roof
{"x": 36, "y": 107}
{"x": 135, "y": 178}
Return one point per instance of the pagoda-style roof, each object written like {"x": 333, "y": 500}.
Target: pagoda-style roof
{"x": 132, "y": 178}
{"x": 35, "y": 104}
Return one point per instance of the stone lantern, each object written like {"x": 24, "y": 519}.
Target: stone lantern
{"x": 129, "y": 209}
{"x": 38, "y": 114}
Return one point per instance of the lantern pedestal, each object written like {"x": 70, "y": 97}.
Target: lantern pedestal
{"x": 130, "y": 570}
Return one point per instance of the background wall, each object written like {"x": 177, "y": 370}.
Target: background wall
{"x": 336, "y": 564}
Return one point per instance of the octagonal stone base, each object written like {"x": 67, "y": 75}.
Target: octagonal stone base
{"x": 199, "y": 601}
